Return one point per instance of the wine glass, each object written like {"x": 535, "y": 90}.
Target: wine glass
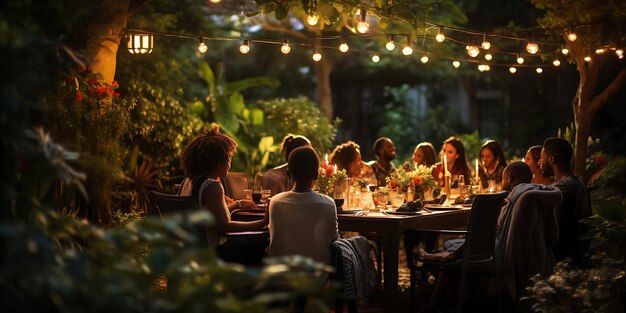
{"x": 265, "y": 194}
{"x": 257, "y": 194}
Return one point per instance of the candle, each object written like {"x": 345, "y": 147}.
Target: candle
{"x": 477, "y": 178}
{"x": 445, "y": 164}
{"x": 326, "y": 159}
{"x": 335, "y": 169}
{"x": 415, "y": 165}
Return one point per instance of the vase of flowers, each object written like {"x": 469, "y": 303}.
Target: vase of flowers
{"x": 331, "y": 182}
{"x": 424, "y": 183}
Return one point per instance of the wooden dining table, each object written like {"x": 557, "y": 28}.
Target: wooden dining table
{"x": 391, "y": 227}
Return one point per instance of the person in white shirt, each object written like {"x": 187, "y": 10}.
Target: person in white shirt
{"x": 302, "y": 221}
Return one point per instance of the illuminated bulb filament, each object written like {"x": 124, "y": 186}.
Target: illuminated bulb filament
{"x": 407, "y": 50}
{"x": 285, "y": 48}
{"x": 456, "y": 64}
{"x": 539, "y": 70}
{"x": 390, "y": 45}
{"x": 600, "y": 51}
{"x": 532, "y": 47}
{"x": 520, "y": 60}
{"x": 317, "y": 56}
{"x": 343, "y": 47}
{"x": 472, "y": 51}
{"x": 245, "y": 47}
{"x": 556, "y": 63}
{"x": 587, "y": 59}
{"x": 312, "y": 19}
{"x": 512, "y": 70}
{"x": 440, "y": 36}
{"x": 572, "y": 36}
{"x": 375, "y": 58}
{"x": 424, "y": 59}
{"x": 202, "y": 48}
{"x": 488, "y": 56}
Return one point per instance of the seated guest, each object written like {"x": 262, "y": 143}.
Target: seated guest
{"x": 302, "y": 221}
{"x": 532, "y": 160}
{"x": 347, "y": 156}
{"x": 276, "y": 179}
{"x": 454, "y": 150}
{"x": 493, "y": 163}
{"x": 424, "y": 154}
{"x": 385, "y": 152}
{"x": 526, "y": 229}
{"x": 205, "y": 160}
{"x": 556, "y": 157}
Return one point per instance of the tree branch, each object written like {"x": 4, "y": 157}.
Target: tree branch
{"x": 136, "y": 5}
{"x": 600, "y": 99}
{"x": 281, "y": 29}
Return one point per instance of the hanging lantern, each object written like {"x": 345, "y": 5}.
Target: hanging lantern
{"x": 140, "y": 43}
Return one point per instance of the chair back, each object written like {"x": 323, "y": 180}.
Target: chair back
{"x": 258, "y": 179}
{"x": 570, "y": 232}
{"x": 480, "y": 242}
{"x": 234, "y": 184}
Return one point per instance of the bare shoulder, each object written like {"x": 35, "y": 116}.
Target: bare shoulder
{"x": 213, "y": 190}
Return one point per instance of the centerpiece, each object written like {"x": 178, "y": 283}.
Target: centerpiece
{"x": 332, "y": 182}
{"x": 414, "y": 181}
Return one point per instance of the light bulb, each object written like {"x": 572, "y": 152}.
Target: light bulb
{"x": 317, "y": 56}
{"x": 556, "y": 63}
{"x": 532, "y": 47}
{"x": 362, "y": 27}
{"x": 285, "y": 48}
{"x": 520, "y": 60}
{"x": 512, "y": 70}
{"x": 215, "y": 1}
{"x": 572, "y": 36}
{"x": 456, "y": 64}
{"x": 375, "y": 58}
{"x": 487, "y": 67}
{"x": 407, "y": 50}
{"x": 390, "y": 45}
{"x": 587, "y": 59}
{"x": 312, "y": 19}
{"x": 245, "y": 47}
{"x": 565, "y": 51}
{"x": 600, "y": 51}
{"x": 472, "y": 51}
{"x": 343, "y": 47}
{"x": 440, "y": 37}
{"x": 202, "y": 48}
{"x": 619, "y": 53}
{"x": 488, "y": 56}
{"x": 485, "y": 44}
{"x": 539, "y": 70}
{"x": 481, "y": 67}
{"x": 424, "y": 59}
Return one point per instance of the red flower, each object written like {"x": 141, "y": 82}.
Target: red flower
{"x": 600, "y": 160}
{"x": 114, "y": 83}
{"x": 329, "y": 171}
{"x": 419, "y": 180}
{"x": 81, "y": 68}
{"x": 78, "y": 96}
{"x": 116, "y": 94}
{"x": 393, "y": 184}
{"x": 100, "y": 90}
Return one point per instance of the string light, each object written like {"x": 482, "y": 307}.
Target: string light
{"x": 245, "y": 47}
{"x": 440, "y": 37}
{"x": 202, "y": 48}
{"x": 285, "y": 48}
{"x": 424, "y": 59}
{"x": 343, "y": 47}
{"x": 485, "y": 44}
{"x": 520, "y": 60}
{"x": 487, "y": 68}
{"x": 375, "y": 58}
{"x": 600, "y": 51}
{"x": 407, "y": 50}
{"x": 456, "y": 64}
{"x": 312, "y": 19}
{"x": 488, "y": 56}
{"x": 362, "y": 26}
{"x": 390, "y": 45}
{"x": 481, "y": 67}
{"x": 556, "y": 63}
{"x": 472, "y": 51}
{"x": 565, "y": 51}
{"x": 532, "y": 47}
{"x": 587, "y": 59}
{"x": 539, "y": 70}
{"x": 620, "y": 53}
{"x": 512, "y": 69}
{"x": 215, "y": 1}
{"x": 571, "y": 36}
{"x": 317, "y": 56}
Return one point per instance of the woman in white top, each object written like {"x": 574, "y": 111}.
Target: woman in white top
{"x": 302, "y": 221}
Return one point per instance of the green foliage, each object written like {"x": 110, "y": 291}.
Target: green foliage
{"x": 86, "y": 115}
{"x": 472, "y": 143}
{"x": 60, "y": 264}
{"x": 298, "y": 116}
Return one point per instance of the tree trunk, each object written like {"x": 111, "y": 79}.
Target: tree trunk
{"x": 323, "y": 92}
{"x": 580, "y": 147}
{"x": 104, "y": 38}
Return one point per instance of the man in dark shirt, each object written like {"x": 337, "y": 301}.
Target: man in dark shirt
{"x": 385, "y": 152}
{"x": 556, "y": 159}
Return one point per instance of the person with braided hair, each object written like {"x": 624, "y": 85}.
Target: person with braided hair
{"x": 206, "y": 160}
{"x": 347, "y": 156}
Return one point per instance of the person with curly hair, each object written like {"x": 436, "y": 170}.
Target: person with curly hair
{"x": 347, "y": 156}
{"x": 206, "y": 160}
{"x": 276, "y": 179}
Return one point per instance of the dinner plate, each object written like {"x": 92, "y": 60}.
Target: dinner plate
{"x": 444, "y": 207}
{"x": 349, "y": 211}
{"x": 403, "y": 213}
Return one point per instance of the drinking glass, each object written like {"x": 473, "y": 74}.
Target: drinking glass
{"x": 257, "y": 194}
{"x": 265, "y": 194}
{"x": 248, "y": 193}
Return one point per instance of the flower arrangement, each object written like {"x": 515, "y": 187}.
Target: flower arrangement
{"x": 360, "y": 183}
{"x": 329, "y": 178}
{"x": 419, "y": 176}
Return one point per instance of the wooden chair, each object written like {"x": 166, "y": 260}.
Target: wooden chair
{"x": 234, "y": 184}
{"x": 167, "y": 204}
{"x": 478, "y": 249}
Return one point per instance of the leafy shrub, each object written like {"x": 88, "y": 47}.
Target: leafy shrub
{"x": 298, "y": 116}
